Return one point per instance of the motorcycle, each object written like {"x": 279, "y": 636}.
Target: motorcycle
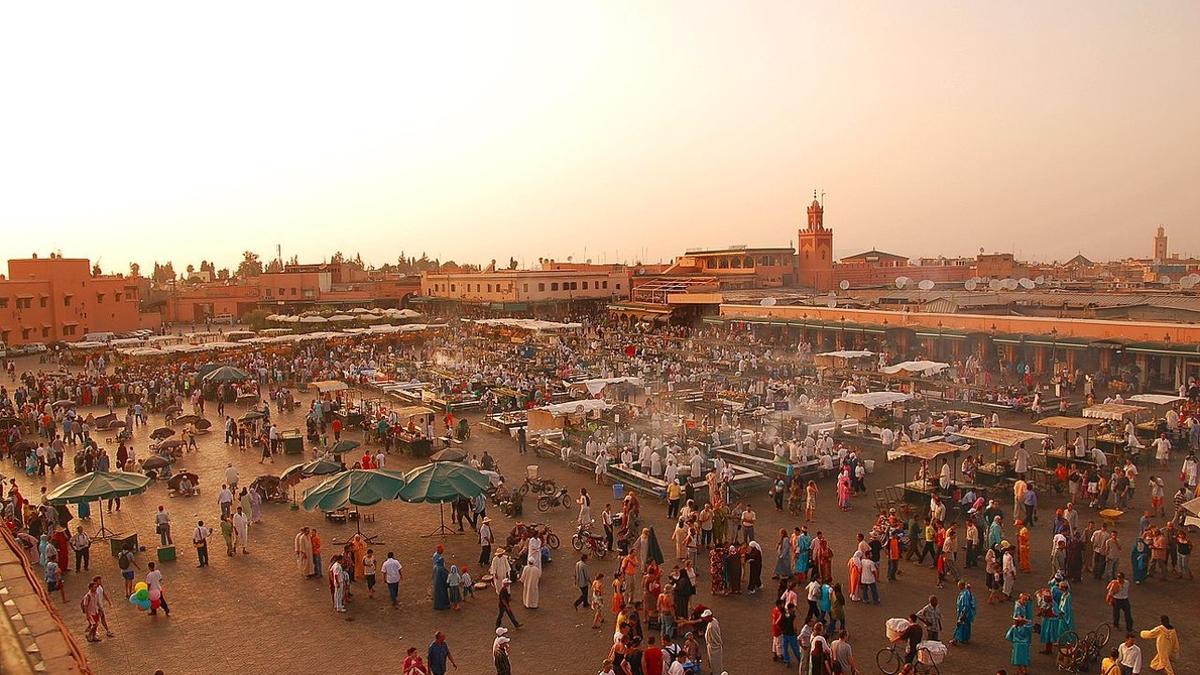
{"x": 595, "y": 544}
{"x": 561, "y": 498}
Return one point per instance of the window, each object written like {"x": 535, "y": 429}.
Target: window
{"x": 45, "y": 331}
{"x": 66, "y": 301}
{"x": 541, "y": 288}
{"x": 268, "y": 292}
{"x": 293, "y": 290}
{"x": 526, "y": 288}
{"x": 3, "y": 303}
{"x": 489, "y": 288}
{"x": 453, "y": 288}
{"x": 4, "y": 336}
{"x": 605, "y": 284}
{"x": 585, "y": 285}
{"x": 282, "y": 291}
{"x": 554, "y": 286}
{"x": 67, "y": 330}
{"x": 24, "y": 303}
{"x": 99, "y": 298}
{"x": 24, "y": 333}
{"x": 117, "y": 297}
{"x": 618, "y": 285}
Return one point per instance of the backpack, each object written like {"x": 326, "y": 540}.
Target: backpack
{"x": 124, "y": 560}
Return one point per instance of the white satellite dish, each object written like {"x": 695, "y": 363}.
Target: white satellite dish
{"x": 901, "y": 282}
{"x": 1187, "y": 282}
{"x": 831, "y": 303}
{"x": 767, "y": 302}
{"x": 832, "y": 294}
{"x": 845, "y": 285}
{"x": 914, "y": 262}
{"x": 1026, "y": 283}
{"x": 970, "y": 284}
{"x": 1164, "y": 279}
{"x": 1040, "y": 280}
{"x": 995, "y": 285}
{"x": 1011, "y": 284}
{"x": 926, "y": 285}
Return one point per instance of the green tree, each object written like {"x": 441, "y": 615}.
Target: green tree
{"x": 250, "y": 266}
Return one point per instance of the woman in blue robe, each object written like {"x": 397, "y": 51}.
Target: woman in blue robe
{"x": 783, "y": 561}
{"x": 441, "y": 592}
{"x": 1048, "y": 611}
{"x": 1141, "y": 560}
{"x": 1066, "y": 612}
{"x": 825, "y": 602}
{"x": 803, "y": 548}
{"x": 965, "y": 609}
{"x": 44, "y": 550}
{"x": 1020, "y": 635}
{"x": 84, "y": 510}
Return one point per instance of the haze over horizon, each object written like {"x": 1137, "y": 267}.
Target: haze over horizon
{"x": 142, "y": 131}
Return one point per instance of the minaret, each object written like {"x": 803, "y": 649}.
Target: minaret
{"x": 1160, "y": 245}
{"x": 814, "y": 258}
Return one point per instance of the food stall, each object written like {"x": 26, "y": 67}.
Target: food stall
{"x": 1000, "y": 469}
{"x": 630, "y": 390}
{"x": 554, "y": 418}
{"x": 1159, "y": 404}
{"x": 870, "y": 412}
{"x": 925, "y": 482}
{"x": 1064, "y": 454}
{"x": 408, "y": 429}
{"x": 1114, "y": 440}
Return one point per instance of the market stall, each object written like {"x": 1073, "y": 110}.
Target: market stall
{"x": 925, "y": 482}
{"x": 554, "y": 418}
{"x": 998, "y": 439}
{"x": 1065, "y": 454}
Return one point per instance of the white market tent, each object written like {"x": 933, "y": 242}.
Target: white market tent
{"x": 1156, "y": 399}
{"x": 921, "y": 368}
{"x": 858, "y": 406}
{"x": 553, "y": 417}
{"x": 1113, "y": 411}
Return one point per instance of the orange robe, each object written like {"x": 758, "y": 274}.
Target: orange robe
{"x": 1023, "y": 549}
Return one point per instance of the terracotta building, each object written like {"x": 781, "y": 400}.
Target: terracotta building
{"x": 59, "y": 299}
{"x": 517, "y": 289}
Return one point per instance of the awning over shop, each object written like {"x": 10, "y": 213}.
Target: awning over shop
{"x": 999, "y": 435}
{"x": 924, "y": 451}
{"x": 1164, "y": 348}
{"x": 1069, "y": 423}
{"x": 1112, "y": 411}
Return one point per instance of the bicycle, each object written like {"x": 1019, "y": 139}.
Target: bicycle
{"x": 1077, "y": 655}
{"x": 890, "y": 660}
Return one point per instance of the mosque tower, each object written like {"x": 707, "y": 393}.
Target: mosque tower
{"x": 1160, "y": 245}
{"x": 814, "y": 259}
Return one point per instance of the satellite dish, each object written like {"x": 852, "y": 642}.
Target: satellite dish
{"x": 926, "y": 285}
{"x": 832, "y": 294}
{"x": 1164, "y": 279}
{"x": 970, "y": 284}
{"x": 1040, "y": 280}
{"x": 1187, "y": 282}
{"x": 914, "y": 262}
{"x": 831, "y": 303}
{"x": 901, "y": 282}
{"x": 767, "y": 302}
{"x": 1010, "y": 284}
{"x": 1026, "y": 283}
{"x": 845, "y": 285}
{"x": 995, "y": 285}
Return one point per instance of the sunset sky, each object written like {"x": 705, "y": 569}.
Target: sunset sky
{"x": 607, "y": 130}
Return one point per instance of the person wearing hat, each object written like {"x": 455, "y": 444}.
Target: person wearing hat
{"x": 712, "y": 637}
{"x": 486, "y": 539}
{"x": 500, "y": 652}
{"x": 501, "y": 568}
{"x": 505, "y": 604}
{"x": 1020, "y": 635}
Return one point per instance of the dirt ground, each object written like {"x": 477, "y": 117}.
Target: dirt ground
{"x": 254, "y": 612}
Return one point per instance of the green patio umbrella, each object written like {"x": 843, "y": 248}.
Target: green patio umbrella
{"x": 361, "y": 487}
{"x": 99, "y": 485}
{"x": 226, "y": 374}
{"x": 441, "y": 482}
{"x": 321, "y": 467}
{"x": 344, "y": 446}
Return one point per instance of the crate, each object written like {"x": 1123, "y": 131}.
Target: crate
{"x": 117, "y": 543}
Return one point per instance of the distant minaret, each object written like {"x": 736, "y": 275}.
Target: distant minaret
{"x": 814, "y": 255}
{"x": 1160, "y": 245}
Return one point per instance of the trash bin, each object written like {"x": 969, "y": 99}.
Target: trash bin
{"x": 618, "y": 491}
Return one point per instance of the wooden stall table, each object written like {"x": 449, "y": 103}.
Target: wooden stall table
{"x": 1064, "y": 454}
{"x": 1000, "y": 438}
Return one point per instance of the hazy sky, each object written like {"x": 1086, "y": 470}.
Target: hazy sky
{"x": 143, "y": 131}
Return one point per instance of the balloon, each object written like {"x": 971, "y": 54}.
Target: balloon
{"x": 145, "y": 604}
{"x": 141, "y": 585}
{"x": 143, "y": 595}
{"x": 155, "y": 595}
{"x": 154, "y": 603}
{"x": 133, "y": 599}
